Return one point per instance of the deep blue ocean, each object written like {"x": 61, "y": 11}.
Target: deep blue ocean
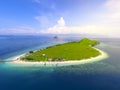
{"x": 100, "y": 75}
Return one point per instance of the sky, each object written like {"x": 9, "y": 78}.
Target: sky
{"x": 34, "y": 17}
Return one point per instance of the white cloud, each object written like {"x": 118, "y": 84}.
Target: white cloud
{"x": 109, "y": 28}
{"x": 113, "y": 9}
{"x": 113, "y": 5}
{"x": 43, "y": 20}
{"x": 58, "y": 28}
{"x": 97, "y": 29}
{"x": 18, "y": 30}
{"x": 61, "y": 22}
{"x": 109, "y": 24}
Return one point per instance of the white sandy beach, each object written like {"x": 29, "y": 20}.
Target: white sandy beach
{"x": 62, "y": 63}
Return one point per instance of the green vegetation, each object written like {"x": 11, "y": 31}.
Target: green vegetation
{"x": 31, "y": 52}
{"x": 68, "y": 51}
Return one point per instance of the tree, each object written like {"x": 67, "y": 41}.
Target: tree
{"x": 30, "y": 51}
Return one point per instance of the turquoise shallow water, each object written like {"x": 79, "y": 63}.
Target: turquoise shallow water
{"x": 102, "y": 75}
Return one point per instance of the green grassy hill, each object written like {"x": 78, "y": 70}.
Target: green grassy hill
{"x": 68, "y": 51}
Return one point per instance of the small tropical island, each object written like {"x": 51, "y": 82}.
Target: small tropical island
{"x": 67, "y": 52}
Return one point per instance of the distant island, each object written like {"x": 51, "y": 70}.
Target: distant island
{"x": 55, "y": 37}
{"x": 82, "y": 49}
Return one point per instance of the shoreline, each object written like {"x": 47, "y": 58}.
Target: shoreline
{"x": 102, "y": 56}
